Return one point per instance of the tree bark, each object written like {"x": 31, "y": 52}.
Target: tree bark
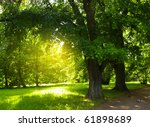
{"x": 95, "y": 77}
{"x": 120, "y": 84}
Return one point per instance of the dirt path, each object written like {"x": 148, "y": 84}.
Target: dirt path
{"x": 139, "y": 100}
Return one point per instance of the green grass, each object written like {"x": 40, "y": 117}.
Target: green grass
{"x": 58, "y": 96}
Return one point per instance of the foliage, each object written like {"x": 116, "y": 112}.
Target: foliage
{"x": 138, "y": 67}
{"x": 35, "y": 50}
{"x": 42, "y": 42}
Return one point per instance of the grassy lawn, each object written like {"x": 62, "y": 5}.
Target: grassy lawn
{"x": 55, "y": 96}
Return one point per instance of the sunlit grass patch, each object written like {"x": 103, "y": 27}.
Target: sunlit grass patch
{"x": 55, "y": 96}
{"x": 134, "y": 85}
{"x": 49, "y": 101}
{"x": 50, "y": 97}
{"x": 57, "y": 91}
{"x": 9, "y": 102}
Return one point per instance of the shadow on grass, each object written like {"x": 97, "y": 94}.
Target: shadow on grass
{"x": 51, "y": 102}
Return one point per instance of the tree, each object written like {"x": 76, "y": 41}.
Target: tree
{"x": 98, "y": 29}
{"x": 94, "y": 67}
{"x": 138, "y": 41}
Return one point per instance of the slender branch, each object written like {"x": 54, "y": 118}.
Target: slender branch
{"x": 80, "y": 19}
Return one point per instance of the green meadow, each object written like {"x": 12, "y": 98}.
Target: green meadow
{"x": 56, "y": 97}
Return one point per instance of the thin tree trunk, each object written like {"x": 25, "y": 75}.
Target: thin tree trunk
{"x": 20, "y": 77}
{"x": 21, "y": 80}
{"x": 6, "y": 79}
{"x": 80, "y": 19}
{"x": 5, "y": 72}
{"x": 36, "y": 75}
{"x": 37, "y": 80}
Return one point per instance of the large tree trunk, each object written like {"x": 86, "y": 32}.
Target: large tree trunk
{"x": 95, "y": 77}
{"x": 119, "y": 66}
{"x": 93, "y": 67}
{"x": 120, "y": 77}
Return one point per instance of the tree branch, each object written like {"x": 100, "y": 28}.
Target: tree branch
{"x": 80, "y": 19}
{"x": 90, "y": 14}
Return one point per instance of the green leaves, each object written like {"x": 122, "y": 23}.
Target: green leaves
{"x": 103, "y": 50}
{"x": 117, "y": 23}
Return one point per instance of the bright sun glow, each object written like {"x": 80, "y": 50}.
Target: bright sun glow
{"x": 54, "y": 91}
{"x": 1, "y": 10}
{"x": 61, "y": 43}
